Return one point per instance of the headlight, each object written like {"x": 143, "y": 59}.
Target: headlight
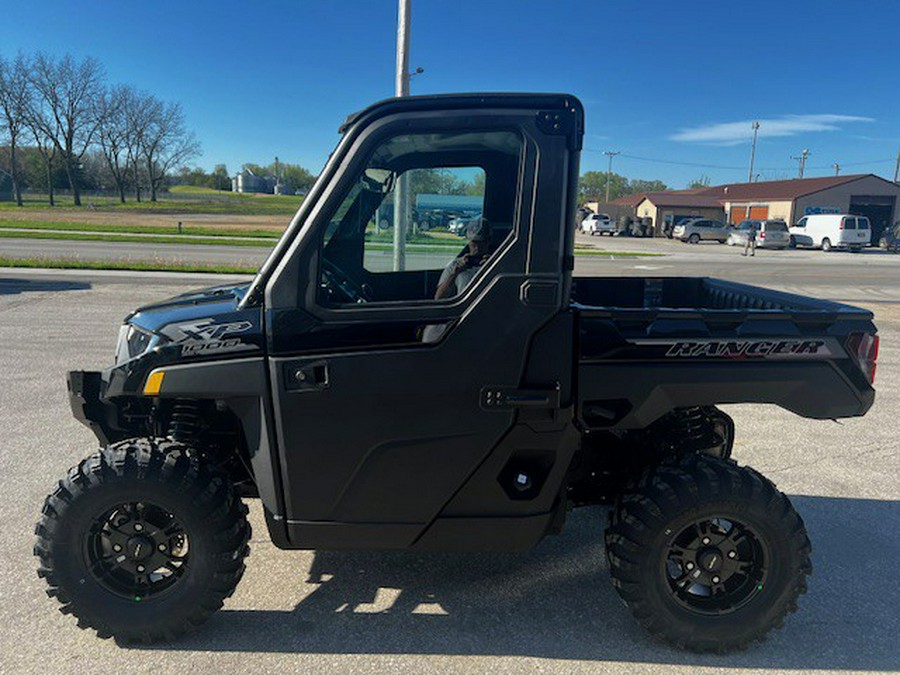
{"x": 133, "y": 342}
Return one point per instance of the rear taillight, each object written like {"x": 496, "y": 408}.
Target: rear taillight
{"x": 762, "y": 235}
{"x": 864, "y": 348}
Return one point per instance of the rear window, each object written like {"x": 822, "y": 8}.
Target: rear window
{"x": 849, "y": 223}
{"x": 776, "y": 227}
{"x": 862, "y": 223}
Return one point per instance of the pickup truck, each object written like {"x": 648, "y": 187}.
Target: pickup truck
{"x": 364, "y": 413}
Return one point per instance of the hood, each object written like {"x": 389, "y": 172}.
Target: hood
{"x": 204, "y": 302}
{"x": 206, "y": 323}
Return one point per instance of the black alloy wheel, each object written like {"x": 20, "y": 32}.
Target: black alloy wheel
{"x": 137, "y": 550}
{"x": 709, "y": 556}
{"x": 715, "y": 566}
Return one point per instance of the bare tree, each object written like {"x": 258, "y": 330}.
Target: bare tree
{"x": 113, "y": 135}
{"x": 15, "y": 95}
{"x": 139, "y": 109}
{"x": 165, "y": 144}
{"x": 38, "y": 119}
{"x": 67, "y": 92}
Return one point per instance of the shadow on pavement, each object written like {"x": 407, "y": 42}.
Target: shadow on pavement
{"x": 557, "y": 602}
{"x": 16, "y": 286}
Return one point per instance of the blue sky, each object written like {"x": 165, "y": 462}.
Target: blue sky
{"x": 673, "y": 86}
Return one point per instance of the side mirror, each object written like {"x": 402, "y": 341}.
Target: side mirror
{"x": 378, "y": 180}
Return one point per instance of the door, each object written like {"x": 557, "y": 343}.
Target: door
{"x": 391, "y": 375}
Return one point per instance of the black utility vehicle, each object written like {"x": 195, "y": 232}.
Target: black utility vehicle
{"x": 366, "y": 414}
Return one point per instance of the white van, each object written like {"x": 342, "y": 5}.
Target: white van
{"x": 831, "y": 230}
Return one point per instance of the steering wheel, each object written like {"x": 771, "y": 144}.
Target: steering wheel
{"x": 339, "y": 283}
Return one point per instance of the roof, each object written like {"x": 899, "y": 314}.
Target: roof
{"x": 775, "y": 190}
{"x": 780, "y": 190}
{"x": 682, "y": 199}
{"x": 630, "y": 200}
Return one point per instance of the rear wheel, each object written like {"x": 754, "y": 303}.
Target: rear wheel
{"x": 708, "y": 556}
{"x": 694, "y": 239}
{"x": 142, "y": 541}
{"x": 826, "y": 244}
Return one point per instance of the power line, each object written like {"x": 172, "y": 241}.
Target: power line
{"x": 701, "y": 165}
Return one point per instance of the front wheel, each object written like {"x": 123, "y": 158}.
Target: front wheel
{"x": 708, "y": 556}
{"x": 694, "y": 239}
{"x": 792, "y": 243}
{"x": 142, "y": 541}
{"x": 826, "y": 244}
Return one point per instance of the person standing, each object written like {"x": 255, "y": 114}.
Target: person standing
{"x": 750, "y": 241}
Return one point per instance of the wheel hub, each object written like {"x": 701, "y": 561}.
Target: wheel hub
{"x": 711, "y": 560}
{"x": 140, "y": 547}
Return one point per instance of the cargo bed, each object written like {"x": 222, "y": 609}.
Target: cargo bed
{"x": 707, "y": 341}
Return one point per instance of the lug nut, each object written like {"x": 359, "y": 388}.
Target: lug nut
{"x": 690, "y": 565}
{"x": 138, "y": 527}
{"x": 705, "y": 540}
{"x": 732, "y": 554}
{"x": 140, "y": 568}
{"x": 116, "y": 548}
{"x": 715, "y": 580}
{"x": 162, "y": 547}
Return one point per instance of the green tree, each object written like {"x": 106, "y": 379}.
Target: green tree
{"x": 702, "y": 182}
{"x": 637, "y": 186}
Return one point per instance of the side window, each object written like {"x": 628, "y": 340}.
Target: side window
{"x": 422, "y": 219}
{"x": 440, "y": 204}
{"x": 801, "y": 222}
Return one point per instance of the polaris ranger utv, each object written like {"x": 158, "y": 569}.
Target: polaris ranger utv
{"x": 365, "y": 413}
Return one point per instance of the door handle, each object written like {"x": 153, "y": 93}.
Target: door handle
{"x": 306, "y": 375}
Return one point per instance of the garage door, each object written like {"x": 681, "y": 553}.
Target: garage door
{"x": 878, "y": 209}
{"x": 739, "y": 213}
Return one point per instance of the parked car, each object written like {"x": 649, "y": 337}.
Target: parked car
{"x": 831, "y": 230}
{"x": 695, "y": 230}
{"x": 769, "y": 233}
{"x": 598, "y": 223}
{"x": 459, "y": 225}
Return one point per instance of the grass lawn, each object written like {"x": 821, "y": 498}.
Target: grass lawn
{"x": 195, "y": 230}
{"x": 174, "y": 202}
{"x": 49, "y": 263}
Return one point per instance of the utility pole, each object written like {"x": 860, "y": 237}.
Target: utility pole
{"x": 753, "y": 151}
{"x": 897, "y": 167}
{"x": 609, "y": 154}
{"x": 401, "y": 191}
{"x": 802, "y": 160}
{"x": 837, "y": 169}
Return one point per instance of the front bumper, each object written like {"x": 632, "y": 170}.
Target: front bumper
{"x": 86, "y": 388}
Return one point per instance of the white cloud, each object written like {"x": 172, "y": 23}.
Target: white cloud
{"x": 733, "y": 133}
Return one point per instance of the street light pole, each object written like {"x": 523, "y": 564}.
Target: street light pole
{"x": 837, "y": 169}
{"x": 802, "y": 160}
{"x": 401, "y": 190}
{"x": 609, "y": 154}
{"x": 753, "y": 151}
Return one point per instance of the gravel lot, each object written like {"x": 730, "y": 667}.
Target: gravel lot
{"x": 552, "y": 610}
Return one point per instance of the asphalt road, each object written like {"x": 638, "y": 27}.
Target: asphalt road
{"x": 870, "y": 272}
{"x": 552, "y": 610}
